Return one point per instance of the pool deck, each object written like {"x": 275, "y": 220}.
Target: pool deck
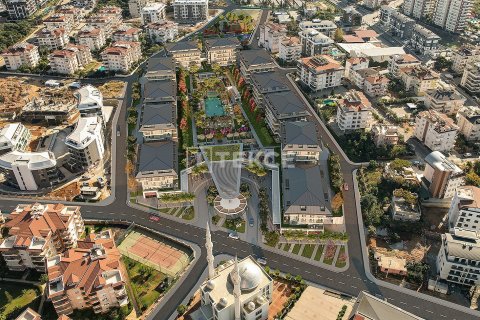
{"x": 214, "y": 107}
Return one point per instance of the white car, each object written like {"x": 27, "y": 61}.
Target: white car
{"x": 233, "y": 236}
{"x": 262, "y": 261}
{"x": 75, "y": 85}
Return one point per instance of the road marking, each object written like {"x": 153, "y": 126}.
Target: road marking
{"x": 443, "y": 316}
{"x": 402, "y": 302}
{"x": 195, "y": 235}
{"x": 353, "y": 287}
{"x": 330, "y": 279}
{"x": 416, "y": 307}
{"x": 306, "y": 271}
{"x": 318, "y": 275}
{"x": 341, "y": 282}
{"x": 429, "y": 311}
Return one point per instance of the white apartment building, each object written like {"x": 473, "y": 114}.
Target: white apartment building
{"x": 20, "y": 9}
{"x": 471, "y": 77}
{"x": 56, "y": 21}
{"x": 21, "y": 54}
{"x": 134, "y": 7}
{"x": 187, "y": 11}
{"x": 222, "y": 51}
{"x": 418, "y": 9}
{"x": 464, "y": 212}
{"x": 103, "y": 23}
{"x": 153, "y": 12}
{"x": 111, "y": 13}
{"x": 271, "y": 34}
{"x": 443, "y": 176}
{"x": 444, "y": 99}
{"x": 126, "y": 33}
{"x": 452, "y": 15}
{"x": 468, "y": 121}
{"x": 384, "y": 16}
{"x": 121, "y": 56}
{"x": 83, "y": 54}
{"x": 354, "y": 64}
{"x": 314, "y": 42}
{"x": 185, "y": 53}
{"x": 436, "y": 130}
{"x": 90, "y": 102}
{"x": 326, "y": 27}
{"x": 92, "y": 37}
{"x": 384, "y": 135}
{"x": 52, "y": 39}
{"x": 320, "y": 72}
{"x": 290, "y": 49}
{"x": 86, "y": 143}
{"x": 14, "y": 136}
{"x": 300, "y": 142}
{"x": 370, "y": 81}
{"x": 63, "y": 62}
{"x": 162, "y": 31}
{"x": 463, "y": 56}
{"x": 424, "y": 41}
{"x": 401, "y": 61}
{"x": 419, "y": 79}
{"x": 39, "y": 231}
{"x": 354, "y": 111}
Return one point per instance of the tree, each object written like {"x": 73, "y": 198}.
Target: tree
{"x": 194, "y": 68}
{"x": 338, "y": 36}
{"x": 44, "y": 278}
{"x": 181, "y": 309}
{"x": 217, "y": 69}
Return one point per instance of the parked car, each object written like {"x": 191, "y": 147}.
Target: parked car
{"x": 154, "y": 218}
{"x": 75, "y": 85}
{"x": 345, "y": 186}
{"x": 101, "y": 182}
{"x": 251, "y": 222}
{"x": 233, "y": 236}
{"x": 85, "y": 177}
{"x": 85, "y": 184}
{"x": 262, "y": 261}
{"x": 467, "y": 155}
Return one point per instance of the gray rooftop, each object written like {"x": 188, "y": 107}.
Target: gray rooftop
{"x": 161, "y": 64}
{"x": 221, "y": 43}
{"x": 181, "y": 46}
{"x": 269, "y": 82}
{"x": 255, "y": 57}
{"x": 299, "y": 132}
{"x": 157, "y": 156}
{"x": 285, "y": 103}
{"x": 424, "y": 32}
{"x": 160, "y": 91}
{"x": 158, "y": 114}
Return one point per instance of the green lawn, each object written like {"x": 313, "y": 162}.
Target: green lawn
{"x": 15, "y": 296}
{"x": 296, "y": 248}
{"x": 188, "y": 213}
{"x": 287, "y": 246}
{"x": 259, "y": 127}
{"x": 308, "y": 250}
{"x": 231, "y": 224}
{"x": 144, "y": 281}
{"x": 341, "y": 264}
{"x": 223, "y": 152}
{"x": 215, "y": 219}
{"x": 318, "y": 254}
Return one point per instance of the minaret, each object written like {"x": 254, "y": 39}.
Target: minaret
{"x": 236, "y": 289}
{"x": 209, "y": 246}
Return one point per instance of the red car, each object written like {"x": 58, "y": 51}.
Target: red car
{"x": 154, "y": 218}
{"x": 345, "y": 186}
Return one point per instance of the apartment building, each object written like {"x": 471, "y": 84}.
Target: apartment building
{"x": 372, "y": 4}
{"x": 400, "y": 25}
{"x": 384, "y": 16}
{"x": 69, "y": 10}
{"x": 63, "y": 62}
{"x": 320, "y": 72}
{"x": 254, "y": 61}
{"x": 55, "y": 21}
{"x": 52, "y": 39}
{"x": 445, "y": 100}
{"x": 370, "y": 81}
{"x": 160, "y": 68}
{"x": 384, "y": 135}
{"x": 471, "y": 77}
{"x": 354, "y": 111}
{"x": 352, "y": 17}
{"x": 112, "y": 13}
{"x": 326, "y": 27}
{"x": 452, "y": 15}
{"x": 134, "y": 7}
{"x": 314, "y": 42}
{"x": 436, "y": 130}
{"x": 290, "y": 49}
{"x": 30, "y": 314}
{"x": 400, "y": 61}
{"x": 418, "y": 9}
{"x": 21, "y": 54}
{"x": 86, "y": 143}
{"x": 126, "y": 33}
{"x": 267, "y": 82}
{"x": 185, "y": 53}
{"x": 464, "y": 212}
{"x": 162, "y": 32}
{"x": 14, "y": 136}
{"x": 463, "y": 56}
{"x": 441, "y": 176}
{"x": 188, "y": 11}
{"x": 158, "y": 122}
{"x": 83, "y": 53}
{"x": 121, "y": 56}
{"x": 92, "y": 37}
{"x": 90, "y": 102}
{"x": 103, "y": 23}
{"x": 153, "y": 12}
{"x": 368, "y": 307}
{"x": 222, "y": 51}
{"x": 160, "y": 92}
{"x": 39, "y": 231}
{"x": 424, "y": 41}
{"x": 21, "y": 9}
{"x": 299, "y": 143}
{"x": 419, "y": 79}
{"x": 157, "y": 166}
{"x": 468, "y": 121}
{"x": 271, "y": 34}
{"x": 88, "y": 277}
{"x": 354, "y": 64}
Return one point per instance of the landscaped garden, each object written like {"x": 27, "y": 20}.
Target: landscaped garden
{"x": 236, "y": 22}
{"x": 16, "y": 296}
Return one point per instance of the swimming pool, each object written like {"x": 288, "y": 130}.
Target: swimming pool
{"x": 213, "y": 107}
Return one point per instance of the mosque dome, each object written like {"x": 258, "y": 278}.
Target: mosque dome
{"x": 250, "y": 275}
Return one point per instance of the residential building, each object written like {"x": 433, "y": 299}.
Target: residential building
{"x": 135, "y": 6}
{"x": 90, "y": 102}
{"x": 436, "y": 130}
{"x": 463, "y": 56}
{"x": 441, "y": 176}
{"x": 188, "y": 11}
{"x": 290, "y": 49}
{"x": 368, "y": 307}
{"x": 126, "y": 33}
{"x": 162, "y": 31}
{"x": 39, "y": 231}
{"x": 271, "y": 34}
{"x": 384, "y": 15}
{"x": 157, "y": 166}
{"x": 52, "y": 39}
{"x": 49, "y": 109}
{"x": 370, "y": 50}
{"x": 92, "y": 37}
{"x": 222, "y": 51}
{"x": 444, "y": 99}
{"x": 351, "y": 17}
{"x": 160, "y": 68}
{"x": 111, "y": 13}
{"x": 160, "y": 92}
{"x": 70, "y": 11}
{"x": 185, "y": 53}
{"x": 314, "y": 42}
{"x": 419, "y": 9}
{"x": 267, "y": 82}
{"x": 400, "y": 25}
{"x": 354, "y": 111}
{"x": 471, "y": 77}
{"x": 419, "y": 79}
{"x": 20, "y": 9}
{"x": 121, "y": 56}
{"x": 326, "y": 27}
{"x": 88, "y": 277}
{"x": 452, "y": 15}
{"x": 21, "y": 54}
{"x": 391, "y": 265}
{"x": 14, "y": 136}
{"x": 30, "y": 314}
{"x": 102, "y": 22}
{"x": 30, "y": 170}
{"x": 86, "y": 143}
{"x": 55, "y": 21}
{"x": 384, "y": 135}
{"x": 300, "y": 142}
{"x": 424, "y": 41}
{"x": 83, "y": 54}
{"x": 320, "y": 72}
{"x": 254, "y": 61}
{"x": 153, "y": 12}
{"x": 159, "y": 122}
{"x": 458, "y": 260}
{"x": 468, "y": 121}
{"x": 370, "y": 81}
{"x": 354, "y": 64}
{"x": 405, "y": 206}
{"x": 63, "y": 62}
{"x": 464, "y": 212}
{"x": 372, "y": 4}
{"x": 398, "y": 62}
